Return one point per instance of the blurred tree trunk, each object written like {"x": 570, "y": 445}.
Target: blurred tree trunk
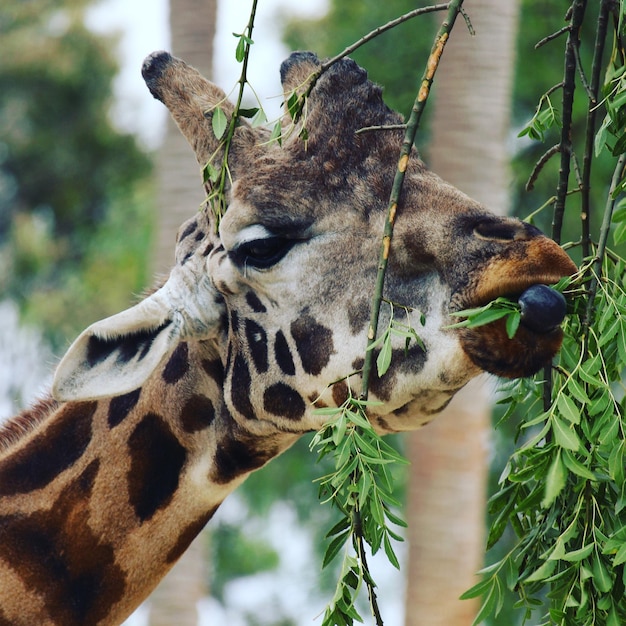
{"x": 180, "y": 193}
{"x": 192, "y": 26}
{"x": 447, "y": 492}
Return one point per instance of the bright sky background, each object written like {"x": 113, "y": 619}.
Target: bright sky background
{"x": 143, "y": 26}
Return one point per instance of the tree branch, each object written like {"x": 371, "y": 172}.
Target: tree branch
{"x": 371, "y": 35}
{"x": 605, "y": 228}
{"x": 552, "y": 37}
{"x": 454, "y": 8}
{"x": 569, "y": 84}
{"x": 547, "y": 155}
{"x": 590, "y": 131}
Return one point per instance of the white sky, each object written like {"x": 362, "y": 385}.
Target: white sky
{"x": 143, "y": 25}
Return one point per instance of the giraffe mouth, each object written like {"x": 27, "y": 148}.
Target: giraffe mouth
{"x": 542, "y": 308}
{"x": 537, "y": 338}
{"x": 513, "y": 288}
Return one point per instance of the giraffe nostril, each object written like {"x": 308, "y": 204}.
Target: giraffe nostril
{"x": 502, "y": 230}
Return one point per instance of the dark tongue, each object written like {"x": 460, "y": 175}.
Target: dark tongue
{"x": 542, "y": 308}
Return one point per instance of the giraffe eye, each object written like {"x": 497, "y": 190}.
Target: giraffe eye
{"x": 262, "y": 253}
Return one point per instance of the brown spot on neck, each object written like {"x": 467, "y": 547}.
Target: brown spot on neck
{"x": 178, "y": 364}
{"x": 52, "y": 451}
{"x": 157, "y": 458}
{"x": 239, "y": 452}
{"x": 188, "y": 535}
{"x": 197, "y": 413}
{"x": 58, "y": 545}
{"x": 121, "y": 406}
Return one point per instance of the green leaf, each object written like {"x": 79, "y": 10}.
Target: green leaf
{"x": 576, "y": 389}
{"x": 565, "y": 437}
{"x": 576, "y": 467}
{"x": 491, "y": 604}
{"x": 485, "y": 316}
{"x": 360, "y": 419}
{"x": 567, "y": 407}
{"x": 512, "y": 323}
{"x": 383, "y": 360}
{"x": 602, "y": 580}
{"x": 589, "y": 370}
{"x": 601, "y": 136}
{"x": 240, "y": 51}
{"x": 578, "y": 555}
{"x": 293, "y": 105}
{"x": 620, "y": 556}
{"x": 247, "y": 112}
{"x": 259, "y": 119}
{"x": 210, "y": 173}
{"x": 555, "y": 481}
{"x": 619, "y": 234}
{"x": 613, "y": 618}
{"x": 616, "y": 463}
{"x": 219, "y": 122}
{"x": 277, "y": 133}
{"x": 541, "y": 573}
{"x": 391, "y": 555}
{"x": 340, "y": 526}
{"x": 334, "y": 547}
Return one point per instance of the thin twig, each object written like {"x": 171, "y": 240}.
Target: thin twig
{"x": 468, "y": 22}
{"x": 367, "y": 129}
{"x": 547, "y": 155}
{"x": 360, "y": 546}
{"x": 553, "y": 89}
{"x": 590, "y": 131}
{"x": 605, "y": 228}
{"x": 576, "y": 13}
{"x": 454, "y": 8}
{"x": 220, "y": 209}
{"x": 379, "y": 31}
{"x": 371, "y": 35}
{"x": 581, "y": 71}
{"x": 569, "y": 84}
{"x": 576, "y": 167}
{"x": 552, "y": 37}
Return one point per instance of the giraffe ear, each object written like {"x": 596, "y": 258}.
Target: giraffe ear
{"x": 116, "y": 355}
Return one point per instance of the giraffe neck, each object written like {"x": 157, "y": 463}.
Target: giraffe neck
{"x": 99, "y": 499}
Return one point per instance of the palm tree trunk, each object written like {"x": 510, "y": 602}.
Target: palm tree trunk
{"x": 447, "y": 492}
{"x": 180, "y": 194}
{"x": 192, "y": 26}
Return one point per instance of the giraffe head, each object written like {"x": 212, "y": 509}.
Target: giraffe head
{"x": 284, "y": 285}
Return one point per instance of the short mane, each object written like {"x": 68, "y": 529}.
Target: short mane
{"x": 14, "y": 429}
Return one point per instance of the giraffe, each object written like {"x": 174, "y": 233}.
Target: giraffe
{"x": 159, "y": 412}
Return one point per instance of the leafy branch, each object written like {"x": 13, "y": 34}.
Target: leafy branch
{"x": 360, "y": 487}
{"x": 454, "y": 8}
{"x": 219, "y": 176}
{"x": 562, "y": 493}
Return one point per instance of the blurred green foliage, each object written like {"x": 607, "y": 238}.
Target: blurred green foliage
{"x": 74, "y": 191}
{"x": 233, "y": 554}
